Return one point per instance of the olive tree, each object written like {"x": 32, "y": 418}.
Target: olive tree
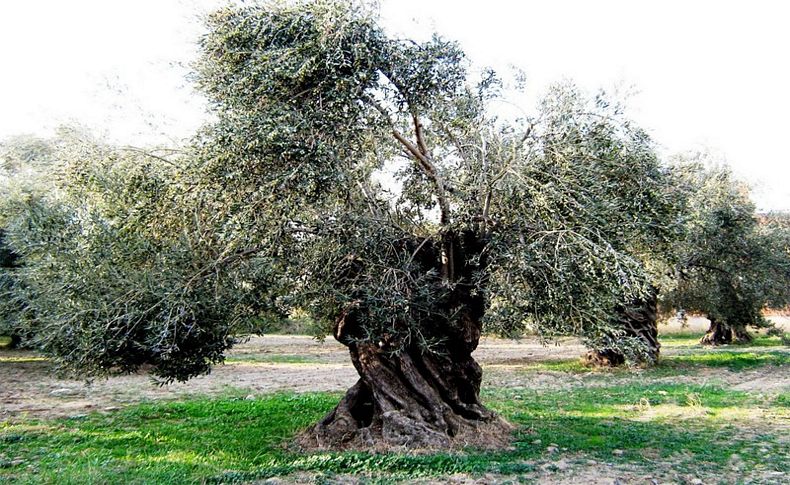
{"x": 730, "y": 266}
{"x": 8, "y": 262}
{"x": 24, "y": 162}
{"x": 532, "y": 223}
{"x": 115, "y": 271}
{"x": 366, "y": 180}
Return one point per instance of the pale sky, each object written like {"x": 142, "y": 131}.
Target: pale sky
{"x": 712, "y": 74}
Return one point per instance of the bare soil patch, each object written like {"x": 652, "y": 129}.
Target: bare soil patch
{"x": 28, "y": 387}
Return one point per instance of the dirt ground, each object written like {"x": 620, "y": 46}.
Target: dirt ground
{"x": 299, "y": 363}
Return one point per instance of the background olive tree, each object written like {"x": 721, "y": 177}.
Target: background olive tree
{"x": 25, "y": 163}
{"x": 730, "y": 265}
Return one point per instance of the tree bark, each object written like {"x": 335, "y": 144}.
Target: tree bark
{"x": 16, "y": 341}
{"x": 412, "y": 398}
{"x": 740, "y": 335}
{"x": 409, "y": 396}
{"x": 719, "y": 333}
{"x": 639, "y": 320}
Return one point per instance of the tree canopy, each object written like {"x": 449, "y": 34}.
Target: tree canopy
{"x": 343, "y": 169}
{"x": 730, "y": 266}
{"x": 369, "y": 181}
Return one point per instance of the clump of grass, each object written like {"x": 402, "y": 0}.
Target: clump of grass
{"x": 733, "y": 360}
{"x": 17, "y": 359}
{"x": 573, "y": 366}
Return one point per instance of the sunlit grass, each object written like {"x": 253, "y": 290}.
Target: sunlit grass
{"x": 732, "y": 360}
{"x": 697, "y": 428}
{"x": 17, "y": 359}
{"x": 560, "y": 365}
{"x": 668, "y": 364}
{"x": 273, "y": 359}
{"x": 691, "y": 339}
{"x": 231, "y": 438}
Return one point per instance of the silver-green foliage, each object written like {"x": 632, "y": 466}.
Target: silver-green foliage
{"x": 315, "y": 102}
{"x": 342, "y": 171}
{"x": 731, "y": 265}
{"x": 113, "y": 275}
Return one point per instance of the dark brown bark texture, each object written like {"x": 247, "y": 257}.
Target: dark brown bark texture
{"x": 409, "y": 397}
{"x": 16, "y": 342}
{"x": 740, "y": 335}
{"x": 720, "y": 333}
{"x": 639, "y": 320}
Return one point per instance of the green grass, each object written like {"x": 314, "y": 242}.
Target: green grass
{"x": 273, "y": 359}
{"x": 662, "y": 429}
{"x": 731, "y": 357}
{"x": 691, "y": 339}
{"x": 5, "y": 342}
{"x": 731, "y": 360}
{"x": 574, "y": 366}
{"x": 16, "y": 359}
{"x": 233, "y": 439}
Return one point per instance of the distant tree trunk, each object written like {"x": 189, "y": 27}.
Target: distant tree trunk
{"x": 8, "y": 260}
{"x": 415, "y": 398}
{"x": 740, "y": 335}
{"x": 639, "y": 321}
{"x": 719, "y": 333}
{"x": 16, "y": 341}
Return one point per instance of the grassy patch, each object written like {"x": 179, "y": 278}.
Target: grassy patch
{"x": 5, "y": 342}
{"x": 731, "y": 360}
{"x": 233, "y": 439}
{"x": 692, "y": 339}
{"x": 18, "y": 359}
{"x": 575, "y": 366}
{"x": 273, "y": 359}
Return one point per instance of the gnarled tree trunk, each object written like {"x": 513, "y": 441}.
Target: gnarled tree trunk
{"x": 719, "y": 333}
{"x": 412, "y": 399}
{"x": 408, "y": 396}
{"x": 16, "y": 341}
{"x": 740, "y": 335}
{"x": 639, "y": 320}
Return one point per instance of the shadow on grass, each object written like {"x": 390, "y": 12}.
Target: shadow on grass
{"x": 233, "y": 439}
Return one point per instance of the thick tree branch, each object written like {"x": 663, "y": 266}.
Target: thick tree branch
{"x": 423, "y": 160}
{"x": 430, "y": 170}
{"x": 421, "y": 155}
{"x": 418, "y": 133}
